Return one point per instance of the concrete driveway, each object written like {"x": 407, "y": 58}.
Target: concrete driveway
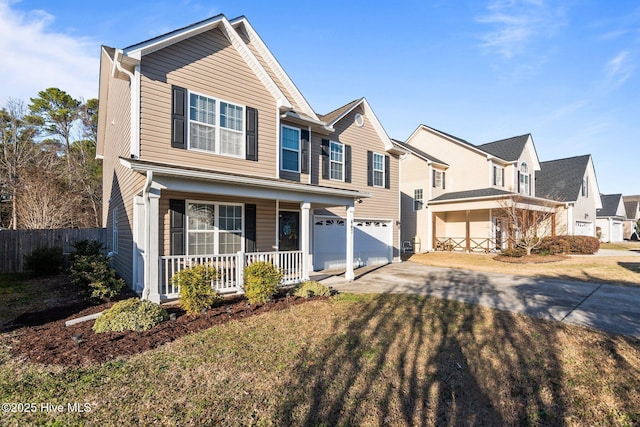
{"x": 609, "y": 308}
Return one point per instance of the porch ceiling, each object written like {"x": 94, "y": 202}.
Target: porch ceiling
{"x": 178, "y": 178}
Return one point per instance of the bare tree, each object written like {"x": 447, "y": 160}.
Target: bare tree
{"x": 528, "y": 222}
{"x": 17, "y": 151}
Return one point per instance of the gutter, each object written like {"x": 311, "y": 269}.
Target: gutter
{"x": 147, "y": 234}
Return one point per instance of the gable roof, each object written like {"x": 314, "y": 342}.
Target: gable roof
{"x": 632, "y": 209}
{"x": 421, "y": 154}
{"x": 509, "y": 149}
{"x": 131, "y": 55}
{"x": 338, "y": 114}
{"x": 562, "y": 178}
{"x": 471, "y": 194}
{"x": 610, "y": 204}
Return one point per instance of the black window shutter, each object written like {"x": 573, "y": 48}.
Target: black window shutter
{"x": 387, "y": 172}
{"x": 518, "y": 181}
{"x": 252, "y": 134}
{"x": 433, "y": 178}
{"x": 178, "y": 117}
{"x": 325, "y": 159}
{"x": 502, "y": 177}
{"x": 347, "y": 163}
{"x": 177, "y": 225}
{"x": 306, "y": 146}
{"x": 529, "y": 183}
{"x": 444, "y": 186}
{"x": 370, "y": 168}
{"x": 250, "y": 228}
{"x": 495, "y": 175}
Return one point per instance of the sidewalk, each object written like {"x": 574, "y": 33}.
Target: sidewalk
{"x": 610, "y": 308}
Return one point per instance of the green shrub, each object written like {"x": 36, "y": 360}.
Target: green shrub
{"x": 196, "y": 293}
{"x": 44, "y": 261}
{"x": 261, "y": 281}
{"x": 311, "y": 288}
{"x": 131, "y": 315}
{"x": 514, "y": 252}
{"x": 93, "y": 275}
{"x": 554, "y": 246}
{"x": 85, "y": 247}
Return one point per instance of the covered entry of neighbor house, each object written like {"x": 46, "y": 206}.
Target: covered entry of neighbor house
{"x": 372, "y": 241}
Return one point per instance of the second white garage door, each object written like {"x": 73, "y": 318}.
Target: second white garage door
{"x": 372, "y": 242}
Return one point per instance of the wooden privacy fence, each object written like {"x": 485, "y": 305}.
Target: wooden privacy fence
{"x": 16, "y": 244}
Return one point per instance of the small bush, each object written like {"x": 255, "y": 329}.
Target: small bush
{"x": 93, "y": 274}
{"x": 261, "y": 281}
{"x": 45, "y": 261}
{"x": 131, "y": 315}
{"x": 584, "y": 245}
{"x": 85, "y": 248}
{"x": 554, "y": 246}
{"x": 311, "y": 288}
{"x": 514, "y": 252}
{"x": 196, "y": 293}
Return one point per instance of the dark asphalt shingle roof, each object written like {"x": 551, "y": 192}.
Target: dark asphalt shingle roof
{"x": 469, "y": 194}
{"x": 631, "y": 209}
{"x": 561, "y": 179}
{"x": 418, "y": 152}
{"x": 332, "y": 115}
{"x": 610, "y": 204}
{"x": 508, "y": 149}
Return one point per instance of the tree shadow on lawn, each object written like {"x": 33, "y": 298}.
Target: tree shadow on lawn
{"x": 631, "y": 266}
{"x": 418, "y": 360}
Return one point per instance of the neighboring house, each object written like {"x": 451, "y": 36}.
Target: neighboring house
{"x": 211, "y": 154}
{"x": 573, "y": 182}
{"x": 632, "y": 208}
{"x": 610, "y": 218}
{"x": 451, "y": 190}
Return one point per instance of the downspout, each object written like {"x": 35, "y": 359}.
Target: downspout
{"x": 147, "y": 234}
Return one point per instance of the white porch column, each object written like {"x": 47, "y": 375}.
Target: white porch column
{"x": 304, "y": 238}
{"x": 430, "y": 231}
{"x": 348, "y": 274}
{"x": 153, "y": 253}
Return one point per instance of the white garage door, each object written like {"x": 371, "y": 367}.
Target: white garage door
{"x": 372, "y": 242}
{"x": 616, "y": 233}
{"x": 583, "y": 228}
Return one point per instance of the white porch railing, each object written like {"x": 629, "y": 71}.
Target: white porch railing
{"x": 229, "y": 267}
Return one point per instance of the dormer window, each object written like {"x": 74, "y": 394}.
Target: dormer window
{"x": 524, "y": 184}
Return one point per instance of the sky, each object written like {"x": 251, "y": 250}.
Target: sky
{"x": 482, "y": 70}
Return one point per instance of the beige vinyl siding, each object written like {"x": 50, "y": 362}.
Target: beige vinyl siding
{"x": 414, "y": 175}
{"x": 210, "y": 65}
{"x": 384, "y": 203}
{"x": 265, "y": 217}
{"x": 119, "y": 184}
{"x": 456, "y": 224}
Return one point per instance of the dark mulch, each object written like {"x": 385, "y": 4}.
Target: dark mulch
{"x": 531, "y": 259}
{"x": 43, "y": 337}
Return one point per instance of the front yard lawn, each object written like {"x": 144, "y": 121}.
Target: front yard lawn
{"x": 346, "y": 360}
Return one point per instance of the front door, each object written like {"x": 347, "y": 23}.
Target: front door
{"x": 289, "y": 226}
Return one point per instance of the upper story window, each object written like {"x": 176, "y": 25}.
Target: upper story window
{"x": 290, "y": 149}
{"x": 216, "y": 126}
{"x": 336, "y": 158}
{"x": 585, "y": 187}
{"x": 418, "y": 199}
{"x": 378, "y": 170}
{"x": 498, "y": 176}
{"x": 437, "y": 179}
{"x": 524, "y": 180}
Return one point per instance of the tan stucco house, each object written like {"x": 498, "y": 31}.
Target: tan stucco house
{"x": 211, "y": 154}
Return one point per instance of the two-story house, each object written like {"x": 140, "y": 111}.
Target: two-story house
{"x": 212, "y": 155}
{"x": 610, "y": 218}
{"x": 451, "y": 190}
{"x": 632, "y": 211}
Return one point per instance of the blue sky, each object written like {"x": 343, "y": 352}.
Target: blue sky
{"x": 483, "y": 70}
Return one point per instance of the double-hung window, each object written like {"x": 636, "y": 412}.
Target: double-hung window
{"x": 378, "y": 170}
{"x": 498, "y": 176}
{"x": 216, "y": 126}
{"x": 524, "y": 179}
{"x": 418, "y": 199}
{"x": 336, "y": 157}
{"x": 213, "y": 228}
{"x": 438, "y": 178}
{"x": 290, "y": 149}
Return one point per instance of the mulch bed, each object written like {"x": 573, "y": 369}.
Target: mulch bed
{"x": 43, "y": 337}
{"x": 531, "y": 259}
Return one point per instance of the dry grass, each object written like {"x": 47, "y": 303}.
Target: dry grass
{"x": 624, "y": 270}
{"x": 353, "y": 360}
{"x": 622, "y": 246}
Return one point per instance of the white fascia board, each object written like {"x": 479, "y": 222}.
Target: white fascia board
{"x": 448, "y": 138}
{"x": 536, "y": 165}
{"x": 241, "y": 180}
{"x": 377, "y": 126}
{"x": 523, "y": 200}
{"x": 273, "y": 63}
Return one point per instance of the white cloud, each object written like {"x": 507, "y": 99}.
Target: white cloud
{"x": 35, "y": 58}
{"x": 515, "y": 23}
{"x": 619, "y": 69}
